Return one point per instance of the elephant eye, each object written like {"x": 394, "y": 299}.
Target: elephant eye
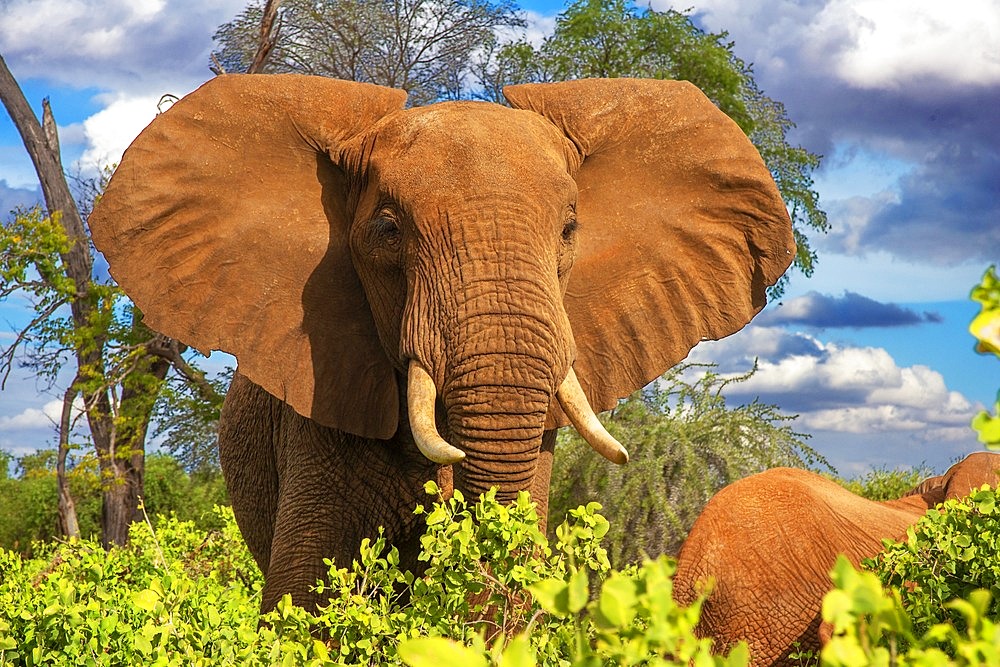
{"x": 569, "y": 229}
{"x": 385, "y": 224}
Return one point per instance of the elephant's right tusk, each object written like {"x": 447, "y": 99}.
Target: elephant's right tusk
{"x": 420, "y": 397}
{"x": 576, "y": 406}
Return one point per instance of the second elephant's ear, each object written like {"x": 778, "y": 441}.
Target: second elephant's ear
{"x": 681, "y": 227}
{"x": 226, "y": 224}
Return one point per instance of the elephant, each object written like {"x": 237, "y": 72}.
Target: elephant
{"x": 430, "y": 292}
{"x": 770, "y": 540}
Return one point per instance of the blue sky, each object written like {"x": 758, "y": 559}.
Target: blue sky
{"x": 899, "y": 96}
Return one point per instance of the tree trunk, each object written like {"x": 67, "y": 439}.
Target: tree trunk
{"x": 68, "y": 524}
{"x": 41, "y": 142}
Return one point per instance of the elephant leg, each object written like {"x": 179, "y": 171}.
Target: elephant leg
{"x": 246, "y": 453}
{"x": 336, "y": 489}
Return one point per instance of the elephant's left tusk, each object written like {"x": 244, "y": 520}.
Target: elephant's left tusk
{"x": 420, "y": 397}
{"x": 576, "y": 406}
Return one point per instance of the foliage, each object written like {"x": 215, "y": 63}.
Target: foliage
{"x": 633, "y": 621}
{"x": 29, "y": 499}
{"x": 947, "y": 555}
{"x": 120, "y": 364}
{"x": 871, "y": 627}
{"x": 188, "y": 423}
{"x": 615, "y": 38}
{"x": 885, "y": 484}
{"x": 685, "y": 443}
{"x": 183, "y": 595}
{"x": 179, "y": 595}
{"x": 986, "y": 328}
{"x": 422, "y": 46}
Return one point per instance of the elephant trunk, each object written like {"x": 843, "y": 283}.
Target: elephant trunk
{"x": 497, "y": 417}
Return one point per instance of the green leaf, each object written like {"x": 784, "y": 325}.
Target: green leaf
{"x": 552, "y": 595}
{"x": 578, "y": 591}
{"x": 146, "y": 600}
{"x": 439, "y": 652}
{"x": 617, "y": 601}
{"x": 518, "y": 653}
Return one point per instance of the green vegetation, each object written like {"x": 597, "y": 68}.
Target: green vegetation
{"x": 986, "y": 328}
{"x": 185, "y": 595}
{"x": 947, "y": 555}
{"x": 885, "y": 484}
{"x": 29, "y": 499}
{"x": 872, "y": 627}
{"x": 685, "y": 444}
{"x": 495, "y": 592}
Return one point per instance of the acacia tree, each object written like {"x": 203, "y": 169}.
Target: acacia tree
{"x": 685, "y": 443}
{"x": 422, "y": 46}
{"x": 83, "y": 322}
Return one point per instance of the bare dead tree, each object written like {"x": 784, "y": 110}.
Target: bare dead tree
{"x": 270, "y": 26}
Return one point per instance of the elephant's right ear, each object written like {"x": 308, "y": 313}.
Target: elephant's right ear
{"x": 226, "y": 224}
{"x": 681, "y": 226}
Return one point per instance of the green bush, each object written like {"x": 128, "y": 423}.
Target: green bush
{"x": 685, "y": 443}
{"x": 947, "y": 555}
{"x": 494, "y": 586}
{"x": 872, "y": 627}
{"x": 31, "y": 506}
{"x": 986, "y": 328}
{"x": 886, "y": 484}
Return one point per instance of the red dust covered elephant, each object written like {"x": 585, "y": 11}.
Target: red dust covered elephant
{"x": 430, "y": 292}
{"x": 770, "y": 540}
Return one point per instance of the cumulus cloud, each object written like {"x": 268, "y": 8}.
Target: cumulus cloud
{"x": 12, "y": 198}
{"x": 920, "y": 92}
{"x": 933, "y": 42}
{"x": 125, "y": 45}
{"x": 841, "y": 388}
{"x": 848, "y": 310}
{"x": 33, "y": 418}
{"x": 109, "y": 132}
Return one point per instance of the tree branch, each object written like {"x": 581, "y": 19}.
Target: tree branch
{"x": 268, "y": 37}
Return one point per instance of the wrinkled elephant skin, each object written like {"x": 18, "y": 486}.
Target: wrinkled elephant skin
{"x": 517, "y": 265}
{"x": 770, "y": 540}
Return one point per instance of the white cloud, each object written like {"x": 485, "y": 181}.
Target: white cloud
{"x": 46, "y": 417}
{"x": 866, "y": 43}
{"x": 846, "y": 389}
{"x": 124, "y": 45}
{"x": 109, "y": 132}
{"x": 33, "y": 418}
{"x": 896, "y": 41}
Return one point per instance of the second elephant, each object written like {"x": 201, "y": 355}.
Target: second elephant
{"x": 770, "y": 540}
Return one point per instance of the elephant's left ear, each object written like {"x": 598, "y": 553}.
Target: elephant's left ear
{"x": 681, "y": 227}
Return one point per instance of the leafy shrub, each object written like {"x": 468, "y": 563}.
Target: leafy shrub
{"x": 885, "y": 484}
{"x": 947, "y": 555}
{"x": 986, "y": 328}
{"x": 181, "y": 595}
{"x": 685, "y": 443}
{"x": 872, "y": 627}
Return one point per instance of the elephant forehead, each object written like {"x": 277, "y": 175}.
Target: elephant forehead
{"x": 470, "y": 145}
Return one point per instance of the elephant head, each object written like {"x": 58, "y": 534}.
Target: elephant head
{"x": 959, "y": 480}
{"x": 469, "y": 258}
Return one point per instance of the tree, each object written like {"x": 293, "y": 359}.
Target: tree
{"x": 421, "y": 46}
{"x": 685, "y": 444}
{"x": 613, "y": 38}
{"x": 120, "y": 364}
